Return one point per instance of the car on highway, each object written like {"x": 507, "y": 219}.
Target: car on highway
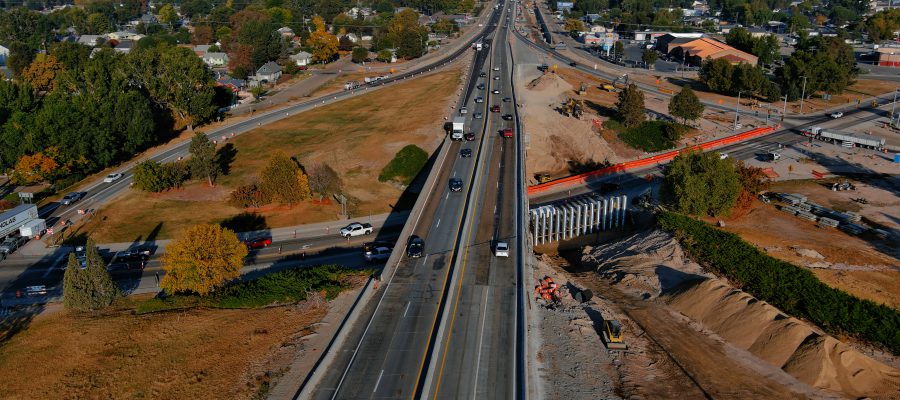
{"x": 479, "y": 99}
{"x": 501, "y": 249}
{"x": 496, "y": 68}
{"x": 497, "y": 77}
{"x": 456, "y": 184}
{"x": 508, "y": 117}
{"x": 495, "y": 91}
{"x": 837, "y": 115}
{"x": 463, "y": 110}
{"x": 378, "y": 254}
{"x": 495, "y": 108}
{"x": 470, "y": 136}
{"x": 356, "y": 229}
{"x": 507, "y": 99}
{"x": 465, "y": 153}
{"x": 415, "y": 247}
{"x": 507, "y": 133}
{"x": 480, "y": 86}
{"x": 71, "y": 198}
{"x": 477, "y": 115}
{"x": 11, "y": 244}
{"x": 112, "y": 177}
{"x": 258, "y": 243}
{"x": 482, "y": 74}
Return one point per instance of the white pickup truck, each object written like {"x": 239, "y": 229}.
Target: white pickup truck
{"x": 356, "y": 229}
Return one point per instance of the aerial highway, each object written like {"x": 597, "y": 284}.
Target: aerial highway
{"x": 444, "y": 324}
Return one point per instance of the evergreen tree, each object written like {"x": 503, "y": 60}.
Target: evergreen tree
{"x": 76, "y": 292}
{"x": 103, "y": 290}
{"x": 203, "y": 158}
{"x": 631, "y": 105}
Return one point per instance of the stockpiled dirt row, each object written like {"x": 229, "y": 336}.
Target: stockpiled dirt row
{"x": 194, "y": 354}
{"x": 357, "y": 137}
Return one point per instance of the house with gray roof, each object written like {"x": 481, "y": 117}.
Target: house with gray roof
{"x": 268, "y": 73}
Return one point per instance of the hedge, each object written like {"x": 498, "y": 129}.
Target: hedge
{"x": 791, "y": 288}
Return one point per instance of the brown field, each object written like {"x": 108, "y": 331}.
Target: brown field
{"x": 195, "y": 354}
{"x": 357, "y": 137}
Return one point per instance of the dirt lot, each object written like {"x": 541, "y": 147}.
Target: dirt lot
{"x": 865, "y": 268}
{"x": 357, "y": 137}
{"x": 203, "y": 354}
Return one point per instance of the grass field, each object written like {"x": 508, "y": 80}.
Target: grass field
{"x": 357, "y": 137}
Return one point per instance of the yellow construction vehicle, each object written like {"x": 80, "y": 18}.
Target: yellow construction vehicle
{"x": 573, "y": 108}
{"x": 612, "y": 335}
{"x": 542, "y": 178}
{"x": 609, "y": 88}
{"x": 582, "y": 90}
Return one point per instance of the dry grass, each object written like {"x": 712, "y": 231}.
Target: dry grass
{"x": 208, "y": 354}
{"x": 357, "y": 137}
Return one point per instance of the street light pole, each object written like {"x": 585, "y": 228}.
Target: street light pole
{"x": 784, "y": 109}
{"x": 802, "y": 95}
{"x": 894, "y": 105}
{"x": 737, "y": 109}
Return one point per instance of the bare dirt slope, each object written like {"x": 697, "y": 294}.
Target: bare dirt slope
{"x": 652, "y": 263}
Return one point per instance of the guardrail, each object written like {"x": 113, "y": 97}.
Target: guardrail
{"x": 649, "y": 161}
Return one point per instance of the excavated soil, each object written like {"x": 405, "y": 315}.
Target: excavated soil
{"x": 653, "y": 264}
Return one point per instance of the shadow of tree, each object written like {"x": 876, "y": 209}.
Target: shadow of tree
{"x": 225, "y": 157}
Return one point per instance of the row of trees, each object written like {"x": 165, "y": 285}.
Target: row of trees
{"x": 766, "y": 48}
{"x": 285, "y": 181}
{"x": 77, "y": 114}
{"x": 630, "y": 106}
{"x": 723, "y": 77}
{"x": 827, "y": 63}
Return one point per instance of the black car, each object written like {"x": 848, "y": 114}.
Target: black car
{"x": 465, "y": 153}
{"x": 482, "y": 74}
{"x": 415, "y": 247}
{"x": 470, "y": 136}
{"x": 135, "y": 255}
{"x": 507, "y": 99}
{"x": 507, "y": 117}
{"x": 573, "y": 64}
{"x": 456, "y": 184}
{"x": 480, "y": 86}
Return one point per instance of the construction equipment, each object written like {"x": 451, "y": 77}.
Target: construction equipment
{"x": 573, "y": 108}
{"x": 582, "y": 90}
{"x": 613, "y": 336}
{"x": 542, "y": 177}
{"x": 842, "y": 186}
{"x": 622, "y": 79}
{"x": 609, "y": 88}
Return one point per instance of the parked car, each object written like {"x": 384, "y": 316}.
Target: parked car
{"x": 356, "y": 229}
{"x": 11, "y": 244}
{"x": 456, "y": 184}
{"x": 71, "y": 198}
{"x": 112, "y": 177}
{"x": 837, "y": 115}
{"x": 470, "y": 136}
{"x": 258, "y": 243}
{"x": 378, "y": 254}
{"x": 501, "y": 249}
{"x": 415, "y": 247}
{"x": 465, "y": 153}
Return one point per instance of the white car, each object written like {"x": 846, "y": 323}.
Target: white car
{"x": 479, "y": 99}
{"x": 463, "y": 110}
{"x": 496, "y": 68}
{"x": 837, "y": 115}
{"x": 495, "y": 91}
{"x": 501, "y": 249}
{"x": 112, "y": 177}
{"x": 723, "y": 156}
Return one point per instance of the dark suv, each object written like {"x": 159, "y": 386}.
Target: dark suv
{"x": 456, "y": 184}
{"x": 415, "y": 247}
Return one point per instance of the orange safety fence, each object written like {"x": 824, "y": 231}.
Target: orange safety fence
{"x": 652, "y": 160}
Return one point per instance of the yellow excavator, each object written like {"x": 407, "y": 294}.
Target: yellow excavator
{"x": 613, "y": 336}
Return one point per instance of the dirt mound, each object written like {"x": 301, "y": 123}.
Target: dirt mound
{"x": 646, "y": 263}
{"x": 804, "y": 352}
{"x": 546, "y": 81}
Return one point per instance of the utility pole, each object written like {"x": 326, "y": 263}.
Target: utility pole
{"x": 737, "y": 110}
{"x": 784, "y": 109}
{"x": 802, "y": 95}
{"x": 894, "y": 105}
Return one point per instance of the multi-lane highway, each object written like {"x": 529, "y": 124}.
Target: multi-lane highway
{"x": 444, "y": 325}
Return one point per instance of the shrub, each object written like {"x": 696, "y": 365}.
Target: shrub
{"x": 701, "y": 184}
{"x": 152, "y": 176}
{"x": 792, "y": 289}
{"x": 405, "y": 165}
{"x": 653, "y": 136}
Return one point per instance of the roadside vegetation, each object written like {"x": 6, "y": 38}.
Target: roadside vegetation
{"x": 701, "y": 184}
{"x": 792, "y": 289}
{"x": 404, "y": 167}
{"x": 631, "y": 124}
{"x": 278, "y": 288}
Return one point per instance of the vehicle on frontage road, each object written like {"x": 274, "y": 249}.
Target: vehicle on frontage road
{"x": 112, "y": 177}
{"x": 477, "y": 115}
{"x": 479, "y": 99}
{"x": 378, "y": 254}
{"x": 415, "y": 247}
{"x": 463, "y": 110}
{"x": 495, "y": 108}
{"x": 71, "y": 198}
{"x": 508, "y": 117}
{"x": 258, "y": 243}
{"x": 356, "y": 229}
{"x": 501, "y": 249}
{"x": 459, "y": 124}
{"x": 11, "y": 244}
{"x": 837, "y": 115}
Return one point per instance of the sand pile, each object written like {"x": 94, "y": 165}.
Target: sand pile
{"x": 548, "y": 80}
{"x": 806, "y": 353}
{"x": 644, "y": 263}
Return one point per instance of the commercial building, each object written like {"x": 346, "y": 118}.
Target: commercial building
{"x": 887, "y": 56}
{"x": 696, "y": 50}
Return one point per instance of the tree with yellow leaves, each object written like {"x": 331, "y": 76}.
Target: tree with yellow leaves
{"x": 324, "y": 45}
{"x": 203, "y": 259}
{"x": 42, "y": 72}
{"x": 37, "y": 167}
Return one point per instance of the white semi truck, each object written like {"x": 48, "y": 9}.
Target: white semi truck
{"x": 458, "y": 126}
{"x": 12, "y": 219}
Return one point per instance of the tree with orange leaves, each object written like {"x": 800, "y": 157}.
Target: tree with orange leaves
{"x": 42, "y": 72}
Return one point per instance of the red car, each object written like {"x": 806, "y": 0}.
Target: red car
{"x": 495, "y": 108}
{"x": 258, "y": 243}
{"x": 507, "y": 133}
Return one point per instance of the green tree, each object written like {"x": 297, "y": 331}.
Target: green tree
{"x": 701, "y": 184}
{"x": 360, "y": 54}
{"x": 412, "y": 43}
{"x": 283, "y": 181}
{"x": 717, "y": 74}
{"x": 630, "y": 106}
{"x": 649, "y": 57}
{"x": 405, "y": 165}
{"x": 203, "y": 161}
{"x": 883, "y": 24}
{"x": 686, "y": 105}
{"x": 573, "y": 26}
{"x": 89, "y": 288}
{"x": 20, "y": 57}
{"x": 98, "y": 24}
{"x": 202, "y": 259}
{"x": 168, "y": 15}
{"x": 618, "y": 49}
{"x": 385, "y": 55}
